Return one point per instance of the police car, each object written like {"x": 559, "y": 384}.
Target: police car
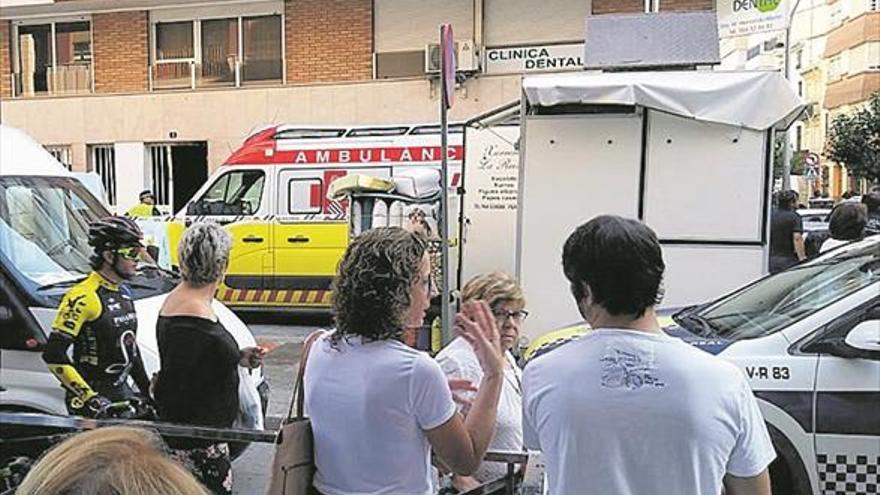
{"x": 808, "y": 340}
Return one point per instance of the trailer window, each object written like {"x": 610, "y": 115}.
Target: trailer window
{"x": 235, "y": 193}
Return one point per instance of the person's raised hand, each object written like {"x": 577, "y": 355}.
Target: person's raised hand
{"x": 476, "y": 324}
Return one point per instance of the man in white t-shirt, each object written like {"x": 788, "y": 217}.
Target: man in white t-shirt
{"x": 627, "y": 409}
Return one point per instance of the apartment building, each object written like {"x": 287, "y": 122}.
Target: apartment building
{"x": 141, "y": 91}
{"x": 835, "y": 66}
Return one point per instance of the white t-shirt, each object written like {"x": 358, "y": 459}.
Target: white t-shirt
{"x": 830, "y": 244}
{"x": 626, "y": 412}
{"x": 459, "y": 361}
{"x": 370, "y": 404}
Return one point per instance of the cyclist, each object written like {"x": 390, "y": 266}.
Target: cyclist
{"x": 97, "y": 317}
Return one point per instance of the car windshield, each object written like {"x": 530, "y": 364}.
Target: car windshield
{"x": 44, "y": 225}
{"x": 774, "y": 302}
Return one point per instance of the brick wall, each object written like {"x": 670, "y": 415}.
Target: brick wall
{"x": 328, "y": 40}
{"x": 121, "y": 52}
{"x": 5, "y": 60}
{"x": 638, "y": 6}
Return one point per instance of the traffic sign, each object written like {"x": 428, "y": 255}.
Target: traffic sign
{"x": 811, "y": 159}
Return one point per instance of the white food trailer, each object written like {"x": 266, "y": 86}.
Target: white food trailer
{"x": 689, "y": 153}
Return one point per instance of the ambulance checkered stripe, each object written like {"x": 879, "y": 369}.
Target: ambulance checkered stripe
{"x": 848, "y": 474}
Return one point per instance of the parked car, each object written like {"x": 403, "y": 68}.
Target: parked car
{"x": 808, "y": 340}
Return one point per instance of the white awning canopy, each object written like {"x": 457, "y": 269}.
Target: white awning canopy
{"x": 754, "y": 100}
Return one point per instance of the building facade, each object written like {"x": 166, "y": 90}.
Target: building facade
{"x": 145, "y": 90}
{"x": 835, "y": 66}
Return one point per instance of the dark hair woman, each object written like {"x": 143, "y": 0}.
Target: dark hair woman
{"x": 378, "y": 406}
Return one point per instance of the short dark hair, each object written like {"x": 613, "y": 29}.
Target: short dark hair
{"x": 787, "y": 200}
{"x": 847, "y": 221}
{"x": 620, "y": 260}
{"x": 872, "y": 201}
{"x": 371, "y": 291}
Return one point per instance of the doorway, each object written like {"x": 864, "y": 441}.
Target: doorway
{"x": 177, "y": 171}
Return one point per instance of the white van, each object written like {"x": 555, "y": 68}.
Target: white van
{"x": 44, "y": 216}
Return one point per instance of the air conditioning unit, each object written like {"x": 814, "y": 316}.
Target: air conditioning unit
{"x": 466, "y": 58}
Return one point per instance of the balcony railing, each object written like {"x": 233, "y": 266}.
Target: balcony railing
{"x": 53, "y": 81}
{"x": 190, "y": 74}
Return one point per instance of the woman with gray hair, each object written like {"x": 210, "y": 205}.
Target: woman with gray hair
{"x": 198, "y": 380}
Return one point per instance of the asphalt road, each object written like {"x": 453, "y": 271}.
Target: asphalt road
{"x": 251, "y": 470}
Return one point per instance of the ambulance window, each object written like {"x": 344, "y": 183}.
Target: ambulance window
{"x": 14, "y": 332}
{"x": 435, "y": 129}
{"x": 305, "y": 196}
{"x": 235, "y": 193}
{"x": 378, "y": 131}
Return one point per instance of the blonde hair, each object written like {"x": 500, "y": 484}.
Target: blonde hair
{"x": 114, "y": 460}
{"x": 494, "y": 288}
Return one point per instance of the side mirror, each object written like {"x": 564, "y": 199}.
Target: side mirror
{"x": 865, "y": 336}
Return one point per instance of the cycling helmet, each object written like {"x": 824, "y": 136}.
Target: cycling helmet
{"x": 112, "y": 233}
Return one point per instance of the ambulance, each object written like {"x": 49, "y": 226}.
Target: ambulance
{"x": 271, "y": 195}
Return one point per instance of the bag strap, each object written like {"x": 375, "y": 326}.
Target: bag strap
{"x": 298, "y": 398}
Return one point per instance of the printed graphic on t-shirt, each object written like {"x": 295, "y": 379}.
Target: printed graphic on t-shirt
{"x": 629, "y": 369}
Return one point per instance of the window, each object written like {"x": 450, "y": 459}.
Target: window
{"x": 175, "y": 55}
{"x": 160, "y": 173}
{"x": 799, "y": 136}
{"x": 753, "y": 52}
{"x": 236, "y": 193}
{"x": 304, "y": 195}
{"x": 62, "y": 154}
{"x": 53, "y": 58}
{"x": 261, "y": 37}
{"x": 227, "y": 51}
{"x": 219, "y": 52}
{"x": 835, "y": 68}
{"x": 102, "y": 160}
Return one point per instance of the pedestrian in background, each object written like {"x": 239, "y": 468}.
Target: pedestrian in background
{"x": 505, "y": 298}
{"x": 113, "y": 460}
{"x": 198, "y": 379}
{"x": 627, "y": 409}
{"x": 786, "y": 233}
{"x": 871, "y": 201}
{"x": 846, "y": 224}
{"x": 146, "y": 206}
{"x": 378, "y": 406}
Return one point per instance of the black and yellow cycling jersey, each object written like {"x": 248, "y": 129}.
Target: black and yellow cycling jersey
{"x": 98, "y": 318}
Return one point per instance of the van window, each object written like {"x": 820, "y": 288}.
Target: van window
{"x": 304, "y": 195}
{"x": 238, "y": 192}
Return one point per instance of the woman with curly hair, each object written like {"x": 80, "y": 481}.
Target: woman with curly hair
{"x": 378, "y": 406}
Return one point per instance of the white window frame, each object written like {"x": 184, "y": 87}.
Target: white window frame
{"x": 16, "y": 49}
{"x": 62, "y": 153}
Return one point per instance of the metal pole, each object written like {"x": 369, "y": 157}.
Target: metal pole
{"x": 786, "y": 139}
{"x": 444, "y": 199}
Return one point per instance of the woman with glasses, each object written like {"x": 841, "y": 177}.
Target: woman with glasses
{"x": 505, "y": 298}
{"x": 377, "y": 406}
{"x": 198, "y": 379}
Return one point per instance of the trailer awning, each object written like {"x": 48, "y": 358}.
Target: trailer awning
{"x": 755, "y": 100}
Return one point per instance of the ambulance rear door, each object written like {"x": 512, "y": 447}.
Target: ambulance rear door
{"x": 310, "y": 234}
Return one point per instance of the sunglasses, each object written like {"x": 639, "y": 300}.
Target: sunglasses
{"x": 130, "y": 253}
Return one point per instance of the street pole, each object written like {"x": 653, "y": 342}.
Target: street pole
{"x": 444, "y": 196}
{"x": 786, "y": 139}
